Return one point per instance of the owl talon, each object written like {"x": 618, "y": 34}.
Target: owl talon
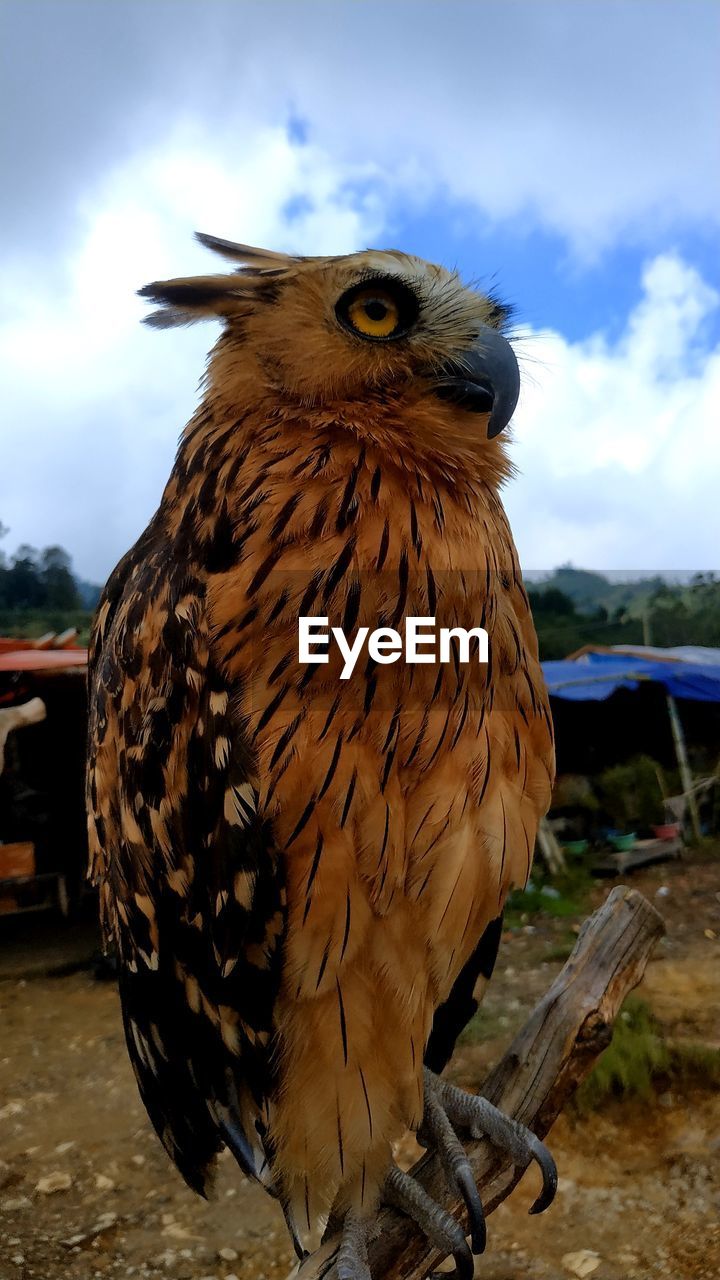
{"x": 404, "y": 1193}
{"x": 352, "y": 1256}
{"x": 476, "y": 1217}
{"x": 548, "y": 1168}
{"x": 301, "y": 1252}
{"x": 483, "y": 1120}
{"x": 438, "y": 1133}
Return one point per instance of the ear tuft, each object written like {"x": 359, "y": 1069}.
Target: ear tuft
{"x": 185, "y": 301}
{"x": 260, "y": 259}
{"x": 170, "y": 318}
{"x": 258, "y": 280}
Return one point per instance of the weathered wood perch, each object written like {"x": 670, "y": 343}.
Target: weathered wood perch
{"x": 545, "y": 1063}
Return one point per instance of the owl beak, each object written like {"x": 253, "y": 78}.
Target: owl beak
{"x": 485, "y": 379}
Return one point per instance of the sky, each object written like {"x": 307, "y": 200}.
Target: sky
{"x": 565, "y": 153}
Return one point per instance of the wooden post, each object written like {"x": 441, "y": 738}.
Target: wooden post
{"x": 683, "y": 765}
{"x": 647, "y": 635}
{"x": 547, "y": 1060}
{"x": 550, "y": 848}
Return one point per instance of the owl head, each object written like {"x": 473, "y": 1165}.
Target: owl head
{"x": 379, "y": 325}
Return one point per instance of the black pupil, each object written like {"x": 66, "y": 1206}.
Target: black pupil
{"x": 376, "y": 309}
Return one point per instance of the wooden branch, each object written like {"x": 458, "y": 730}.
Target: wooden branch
{"x": 546, "y": 1062}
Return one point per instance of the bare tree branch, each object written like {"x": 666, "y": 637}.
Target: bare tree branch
{"x": 547, "y": 1060}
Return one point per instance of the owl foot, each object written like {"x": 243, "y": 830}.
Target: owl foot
{"x": 352, "y": 1256}
{"x": 448, "y": 1108}
{"x": 403, "y": 1193}
{"x": 437, "y": 1132}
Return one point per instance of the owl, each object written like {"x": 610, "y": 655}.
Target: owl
{"x": 303, "y": 871}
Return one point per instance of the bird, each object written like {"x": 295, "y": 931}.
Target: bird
{"x": 304, "y": 875}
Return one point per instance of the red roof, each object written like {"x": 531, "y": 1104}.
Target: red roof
{"x": 42, "y": 659}
{"x": 9, "y": 643}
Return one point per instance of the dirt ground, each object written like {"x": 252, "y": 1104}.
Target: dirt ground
{"x": 86, "y": 1191}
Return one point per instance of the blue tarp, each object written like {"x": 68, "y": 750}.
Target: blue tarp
{"x": 594, "y": 676}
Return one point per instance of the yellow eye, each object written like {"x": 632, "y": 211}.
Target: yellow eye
{"x": 378, "y": 309}
{"x": 374, "y": 313}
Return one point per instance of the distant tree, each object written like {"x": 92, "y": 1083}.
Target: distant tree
{"x": 684, "y": 614}
{"x": 702, "y": 602}
{"x": 24, "y": 587}
{"x": 61, "y": 590}
{"x": 585, "y": 587}
{"x": 37, "y": 589}
{"x": 663, "y": 596}
{"x": 3, "y": 569}
{"x": 90, "y": 594}
{"x": 552, "y": 601}
{"x": 564, "y": 626}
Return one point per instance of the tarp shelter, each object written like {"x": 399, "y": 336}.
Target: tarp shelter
{"x": 634, "y": 723}
{"x": 689, "y": 672}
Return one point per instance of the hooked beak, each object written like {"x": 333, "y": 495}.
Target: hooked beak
{"x": 486, "y": 379}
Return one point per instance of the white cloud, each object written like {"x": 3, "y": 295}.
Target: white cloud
{"x": 596, "y": 120}
{"x": 94, "y": 402}
{"x": 618, "y": 444}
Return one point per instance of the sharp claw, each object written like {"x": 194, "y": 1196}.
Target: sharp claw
{"x": 464, "y": 1265}
{"x": 405, "y": 1194}
{"x": 547, "y": 1165}
{"x": 300, "y": 1251}
{"x": 236, "y": 1139}
{"x": 437, "y": 1131}
{"x": 473, "y": 1204}
{"x": 483, "y": 1119}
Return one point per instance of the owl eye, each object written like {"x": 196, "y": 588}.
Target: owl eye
{"x": 378, "y": 310}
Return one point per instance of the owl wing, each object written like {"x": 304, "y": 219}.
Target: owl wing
{"x": 190, "y": 884}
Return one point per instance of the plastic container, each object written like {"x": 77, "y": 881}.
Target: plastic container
{"x": 667, "y": 831}
{"x": 576, "y": 846}
{"x": 622, "y": 844}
